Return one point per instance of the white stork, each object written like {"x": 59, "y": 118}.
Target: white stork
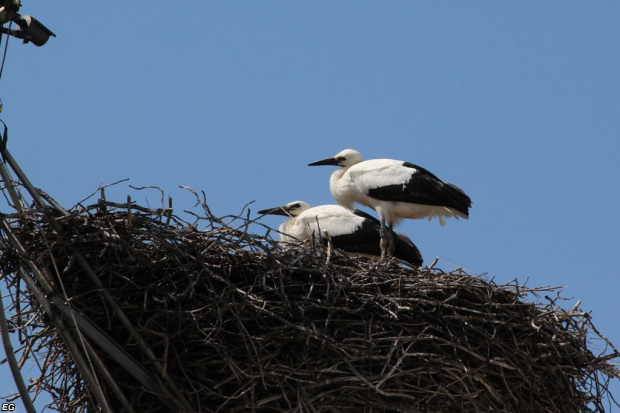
{"x": 354, "y": 232}
{"x": 395, "y": 189}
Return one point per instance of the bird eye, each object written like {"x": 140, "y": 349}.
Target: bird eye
{"x": 340, "y": 158}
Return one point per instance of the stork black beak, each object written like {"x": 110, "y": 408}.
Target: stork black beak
{"x": 328, "y": 161}
{"x": 281, "y": 210}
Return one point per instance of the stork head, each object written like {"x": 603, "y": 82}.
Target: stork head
{"x": 345, "y": 159}
{"x": 292, "y": 209}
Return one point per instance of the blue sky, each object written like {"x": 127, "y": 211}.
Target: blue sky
{"x": 518, "y": 103}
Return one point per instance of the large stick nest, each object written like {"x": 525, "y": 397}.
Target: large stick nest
{"x": 239, "y": 323}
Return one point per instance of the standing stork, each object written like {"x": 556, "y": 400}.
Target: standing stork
{"x": 354, "y": 232}
{"x": 395, "y": 189}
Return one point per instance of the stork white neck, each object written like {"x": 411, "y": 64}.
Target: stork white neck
{"x": 340, "y": 187}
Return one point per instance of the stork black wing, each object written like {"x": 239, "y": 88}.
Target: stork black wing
{"x": 406, "y": 250}
{"x": 423, "y": 188}
{"x": 366, "y": 240}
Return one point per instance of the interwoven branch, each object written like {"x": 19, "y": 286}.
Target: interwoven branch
{"x": 238, "y": 323}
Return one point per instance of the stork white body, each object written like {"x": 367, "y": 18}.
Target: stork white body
{"x": 394, "y": 189}
{"x": 315, "y": 221}
{"x": 352, "y": 231}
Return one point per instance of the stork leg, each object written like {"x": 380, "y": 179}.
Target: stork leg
{"x": 384, "y": 243}
{"x": 391, "y": 243}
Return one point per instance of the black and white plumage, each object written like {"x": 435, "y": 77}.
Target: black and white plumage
{"x": 354, "y": 232}
{"x": 395, "y": 189}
